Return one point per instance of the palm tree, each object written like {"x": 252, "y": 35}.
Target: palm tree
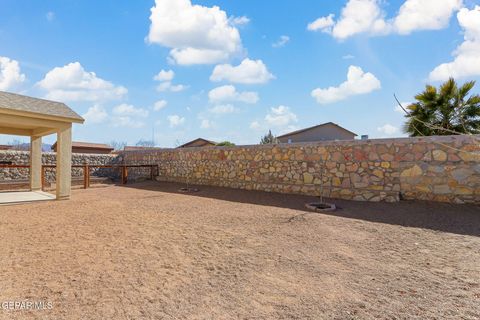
{"x": 444, "y": 111}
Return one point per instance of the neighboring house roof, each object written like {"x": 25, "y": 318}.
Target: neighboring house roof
{"x": 310, "y": 128}
{"x": 5, "y": 147}
{"x": 87, "y": 145}
{"x": 139, "y": 148}
{"x": 197, "y": 140}
{"x": 17, "y": 102}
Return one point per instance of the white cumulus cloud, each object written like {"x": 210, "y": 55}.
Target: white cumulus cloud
{"x": 466, "y": 60}
{"x": 280, "y": 116}
{"x": 388, "y": 129}
{"x": 425, "y": 15}
{"x": 10, "y": 74}
{"x": 125, "y": 115}
{"x": 196, "y": 34}
{"x": 164, "y": 75}
{"x": 205, "y": 124}
{"x": 248, "y": 72}
{"x": 168, "y": 86}
{"x": 240, "y": 21}
{"x": 367, "y": 16}
{"x": 128, "y": 122}
{"x": 358, "y": 82}
{"x": 129, "y": 110}
{"x": 229, "y": 93}
{"x": 255, "y": 125}
{"x": 95, "y": 114}
{"x": 357, "y": 16}
{"x": 281, "y": 42}
{"x": 165, "y": 78}
{"x": 175, "y": 120}
{"x": 398, "y": 109}
{"x": 222, "y": 109}
{"x": 323, "y": 24}
{"x": 72, "y": 83}
{"x": 159, "y": 105}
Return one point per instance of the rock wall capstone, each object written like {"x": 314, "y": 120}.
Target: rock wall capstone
{"x": 445, "y": 169}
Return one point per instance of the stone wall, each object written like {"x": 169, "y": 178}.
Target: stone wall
{"x": 443, "y": 169}
{"x": 49, "y": 158}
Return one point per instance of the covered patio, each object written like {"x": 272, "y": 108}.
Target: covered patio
{"x": 36, "y": 118}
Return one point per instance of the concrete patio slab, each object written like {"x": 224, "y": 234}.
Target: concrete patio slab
{"x": 9, "y": 198}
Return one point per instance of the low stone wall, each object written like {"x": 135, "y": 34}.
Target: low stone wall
{"x": 443, "y": 169}
{"x": 49, "y": 158}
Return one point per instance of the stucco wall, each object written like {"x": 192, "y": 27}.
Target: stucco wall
{"x": 432, "y": 168}
{"x": 49, "y": 158}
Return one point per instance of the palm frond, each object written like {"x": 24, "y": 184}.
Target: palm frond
{"x": 444, "y": 111}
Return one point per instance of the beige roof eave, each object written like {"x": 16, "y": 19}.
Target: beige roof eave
{"x": 41, "y": 116}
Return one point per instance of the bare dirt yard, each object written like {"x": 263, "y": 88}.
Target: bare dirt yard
{"x": 146, "y": 251}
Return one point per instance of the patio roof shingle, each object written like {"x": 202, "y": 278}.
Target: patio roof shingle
{"x": 23, "y": 103}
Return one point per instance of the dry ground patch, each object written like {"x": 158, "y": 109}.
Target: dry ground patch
{"x": 148, "y": 252}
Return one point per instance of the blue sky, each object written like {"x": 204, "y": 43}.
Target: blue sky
{"x": 234, "y": 69}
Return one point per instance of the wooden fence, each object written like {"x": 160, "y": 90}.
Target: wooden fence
{"x": 86, "y": 171}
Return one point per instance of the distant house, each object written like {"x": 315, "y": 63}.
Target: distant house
{"x": 322, "y": 132}
{"x": 5, "y": 147}
{"x": 85, "y": 147}
{"x": 200, "y": 142}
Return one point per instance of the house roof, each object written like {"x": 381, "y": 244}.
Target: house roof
{"x": 17, "y": 102}
{"x": 310, "y": 128}
{"x": 87, "y": 145}
{"x": 198, "y": 139}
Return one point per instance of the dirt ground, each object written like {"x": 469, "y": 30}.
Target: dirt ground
{"x": 146, "y": 251}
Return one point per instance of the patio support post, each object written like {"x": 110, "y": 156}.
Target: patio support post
{"x": 64, "y": 163}
{"x": 35, "y": 163}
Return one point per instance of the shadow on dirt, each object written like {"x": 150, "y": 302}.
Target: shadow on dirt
{"x": 453, "y": 218}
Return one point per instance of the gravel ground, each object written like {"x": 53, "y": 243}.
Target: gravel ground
{"x": 146, "y": 251}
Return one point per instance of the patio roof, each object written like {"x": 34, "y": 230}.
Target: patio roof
{"x": 24, "y": 104}
{"x": 27, "y": 116}
{"x": 33, "y": 117}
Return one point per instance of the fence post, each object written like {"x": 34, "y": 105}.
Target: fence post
{"x": 151, "y": 172}
{"x": 86, "y": 176}
{"x": 124, "y": 174}
{"x": 43, "y": 177}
